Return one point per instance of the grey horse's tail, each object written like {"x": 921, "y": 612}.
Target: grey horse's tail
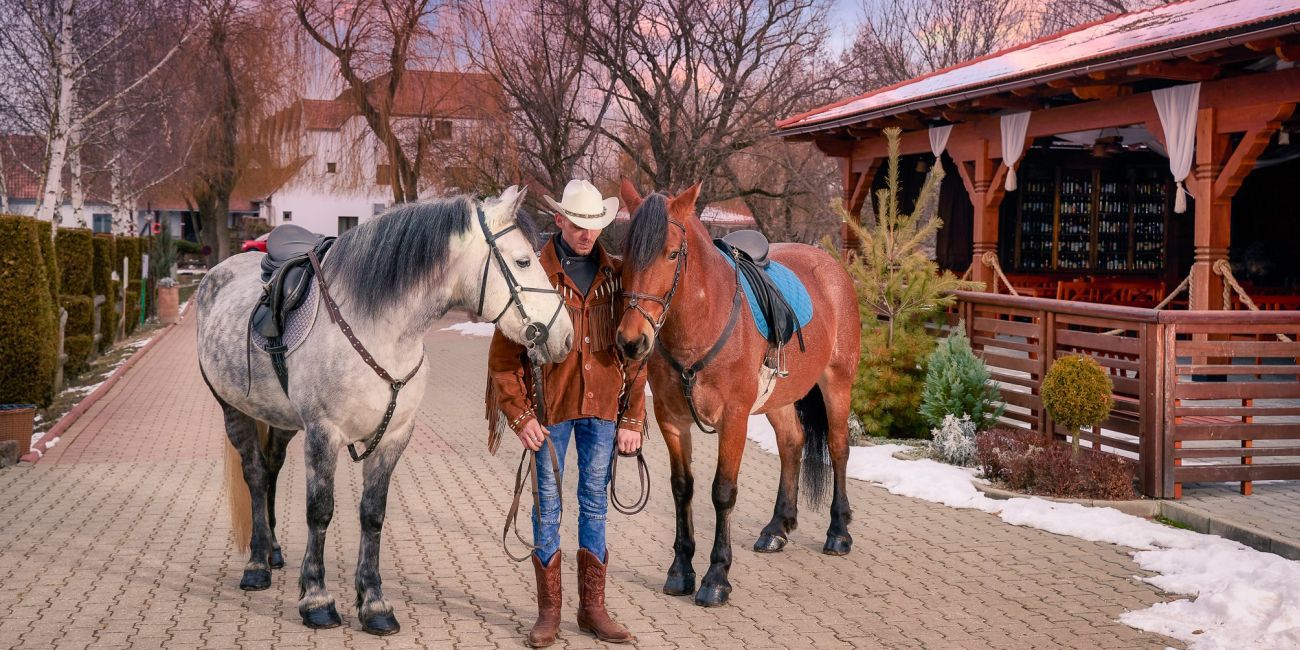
{"x": 240, "y": 502}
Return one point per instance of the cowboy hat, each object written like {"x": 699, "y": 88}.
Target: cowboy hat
{"x": 583, "y": 205}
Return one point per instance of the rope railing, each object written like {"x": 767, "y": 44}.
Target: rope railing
{"x": 1230, "y": 284}
{"x": 990, "y": 259}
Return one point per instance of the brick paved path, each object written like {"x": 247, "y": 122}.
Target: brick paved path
{"x": 118, "y": 538}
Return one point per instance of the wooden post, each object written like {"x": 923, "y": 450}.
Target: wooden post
{"x": 982, "y": 177}
{"x": 60, "y": 357}
{"x": 857, "y": 190}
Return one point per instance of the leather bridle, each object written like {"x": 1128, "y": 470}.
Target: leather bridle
{"x": 665, "y": 302}
{"x": 535, "y": 332}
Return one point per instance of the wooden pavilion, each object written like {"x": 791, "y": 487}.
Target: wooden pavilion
{"x": 1067, "y": 158}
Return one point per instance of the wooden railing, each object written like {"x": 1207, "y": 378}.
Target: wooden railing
{"x": 1194, "y": 391}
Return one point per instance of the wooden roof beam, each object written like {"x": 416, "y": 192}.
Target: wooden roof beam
{"x": 1010, "y": 103}
{"x": 1288, "y": 52}
{"x": 1102, "y": 91}
{"x": 1181, "y": 71}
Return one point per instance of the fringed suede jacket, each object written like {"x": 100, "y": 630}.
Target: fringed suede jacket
{"x": 586, "y": 383}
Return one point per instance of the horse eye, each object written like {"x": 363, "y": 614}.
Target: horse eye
{"x": 523, "y": 262}
{"x": 673, "y": 255}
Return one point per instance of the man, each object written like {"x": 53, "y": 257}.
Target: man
{"x": 581, "y": 394}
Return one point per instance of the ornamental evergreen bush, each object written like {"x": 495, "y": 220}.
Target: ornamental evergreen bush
{"x": 78, "y": 349}
{"x": 953, "y": 441}
{"x": 45, "y": 234}
{"x": 80, "y": 315}
{"x": 76, "y": 254}
{"x": 887, "y": 392}
{"x": 957, "y": 383}
{"x": 27, "y": 325}
{"x": 1077, "y": 393}
{"x": 108, "y": 317}
{"x": 132, "y": 307}
{"x": 104, "y": 285}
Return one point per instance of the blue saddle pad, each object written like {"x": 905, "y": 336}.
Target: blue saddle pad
{"x": 791, "y": 288}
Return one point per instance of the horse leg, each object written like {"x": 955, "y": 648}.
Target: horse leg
{"x": 835, "y": 391}
{"x": 789, "y": 441}
{"x": 315, "y": 604}
{"x": 715, "y": 589}
{"x": 677, "y": 438}
{"x": 275, "y": 453}
{"x": 375, "y": 613}
{"x": 242, "y": 432}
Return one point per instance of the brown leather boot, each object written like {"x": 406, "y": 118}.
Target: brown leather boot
{"x": 592, "y": 616}
{"x": 549, "y": 601}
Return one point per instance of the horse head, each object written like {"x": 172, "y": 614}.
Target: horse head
{"x": 514, "y": 291}
{"x": 654, "y": 263}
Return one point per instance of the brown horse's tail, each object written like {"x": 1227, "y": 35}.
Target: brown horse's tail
{"x": 241, "y": 503}
{"x": 811, "y": 409}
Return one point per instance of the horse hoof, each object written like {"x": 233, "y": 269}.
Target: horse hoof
{"x": 322, "y": 618}
{"x": 255, "y": 580}
{"x": 680, "y": 584}
{"x": 381, "y": 625}
{"x": 770, "y": 543}
{"x": 713, "y": 596}
{"x": 277, "y": 559}
{"x": 838, "y": 545}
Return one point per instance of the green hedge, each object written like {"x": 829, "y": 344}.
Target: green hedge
{"x": 76, "y": 259}
{"x": 80, "y": 315}
{"x": 130, "y": 248}
{"x": 108, "y": 317}
{"x": 105, "y": 255}
{"x": 78, "y": 349}
{"x": 132, "y": 307}
{"x": 27, "y": 326}
{"x": 45, "y": 233}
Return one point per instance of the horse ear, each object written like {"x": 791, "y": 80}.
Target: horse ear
{"x": 507, "y": 205}
{"x": 631, "y": 198}
{"x": 684, "y": 203}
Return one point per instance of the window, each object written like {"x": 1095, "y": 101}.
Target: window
{"x": 346, "y": 224}
{"x": 331, "y": 168}
{"x": 102, "y": 222}
{"x": 287, "y": 215}
{"x": 442, "y": 130}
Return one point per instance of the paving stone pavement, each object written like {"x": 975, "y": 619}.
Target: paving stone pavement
{"x": 118, "y": 539}
{"x": 1273, "y": 508}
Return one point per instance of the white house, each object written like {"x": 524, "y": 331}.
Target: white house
{"x": 338, "y": 172}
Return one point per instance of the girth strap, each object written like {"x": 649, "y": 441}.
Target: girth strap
{"x": 688, "y": 374}
{"x": 395, "y": 386}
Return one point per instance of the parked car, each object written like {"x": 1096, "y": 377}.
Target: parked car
{"x": 258, "y": 244}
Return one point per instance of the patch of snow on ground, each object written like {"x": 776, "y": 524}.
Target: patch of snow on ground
{"x": 472, "y": 329}
{"x": 1242, "y": 599}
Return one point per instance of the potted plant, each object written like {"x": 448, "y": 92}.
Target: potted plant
{"x": 16, "y": 424}
{"x": 168, "y": 301}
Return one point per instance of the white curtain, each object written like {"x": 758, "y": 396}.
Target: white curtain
{"x": 1014, "y": 127}
{"x": 939, "y": 140}
{"x": 1177, "y": 107}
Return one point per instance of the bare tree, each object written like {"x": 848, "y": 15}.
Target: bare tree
{"x": 373, "y": 42}
{"x": 696, "y": 82}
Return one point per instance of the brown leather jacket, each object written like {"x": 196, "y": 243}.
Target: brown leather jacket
{"x": 588, "y": 381}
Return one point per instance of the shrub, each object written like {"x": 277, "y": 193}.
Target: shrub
{"x": 186, "y": 247}
{"x": 954, "y": 441}
{"x": 105, "y": 256}
{"x": 1016, "y": 459}
{"x": 1077, "y": 393}
{"x": 45, "y": 233}
{"x": 108, "y": 317}
{"x": 129, "y": 248}
{"x": 27, "y": 325}
{"x": 887, "y": 392}
{"x": 80, "y": 316}
{"x": 76, "y": 256}
{"x": 958, "y": 383}
{"x": 78, "y": 349}
{"x": 162, "y": 255}
{"x": 132, "y": 307}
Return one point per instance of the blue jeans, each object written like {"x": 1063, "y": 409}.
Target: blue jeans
{"x": 595, "y": 441}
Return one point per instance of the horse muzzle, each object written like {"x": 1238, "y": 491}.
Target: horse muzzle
{"x": 635, "y": 349}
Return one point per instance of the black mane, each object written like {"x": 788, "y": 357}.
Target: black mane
{"x": 649, "y": 229}
{"x": 381, "y": 261}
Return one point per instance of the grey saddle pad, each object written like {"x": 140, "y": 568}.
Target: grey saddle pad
{"x": 297, "y": 324}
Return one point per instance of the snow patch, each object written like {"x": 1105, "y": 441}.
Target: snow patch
{"x": 472, "y": 329}
{"x": 1242, "y": 599}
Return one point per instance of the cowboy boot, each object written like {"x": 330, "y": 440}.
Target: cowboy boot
{"x": 549, "y": 598}
{"x": 592, "y": 616}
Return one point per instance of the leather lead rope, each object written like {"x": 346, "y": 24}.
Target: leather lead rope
{"x": 395, "y": 386}
{"x": 643, "y": 470}
{"x": 527, "y": 468}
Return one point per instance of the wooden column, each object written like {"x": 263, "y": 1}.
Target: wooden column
{"x": 983, "y": 177}
{"x": 857, "y": 189}
{"x": 1218, "y": 173}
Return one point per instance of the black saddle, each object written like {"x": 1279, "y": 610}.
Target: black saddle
{"x": 750, "y": 242}
{"x": 749, "y": 248}
{"x": 286, "y": 276}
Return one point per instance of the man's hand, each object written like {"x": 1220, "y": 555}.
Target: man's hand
{"x": 628, "y": 441}
{"x": 533, "y": 434}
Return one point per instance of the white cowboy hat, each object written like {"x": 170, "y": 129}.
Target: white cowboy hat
{"x": 583, "y": 205}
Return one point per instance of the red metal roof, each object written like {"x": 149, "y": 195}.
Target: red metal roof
{"x": 1111, "y": 42}
{"x": 430, "y": 93}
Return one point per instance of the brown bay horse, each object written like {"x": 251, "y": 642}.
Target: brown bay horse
{"x": 679, "y": 295}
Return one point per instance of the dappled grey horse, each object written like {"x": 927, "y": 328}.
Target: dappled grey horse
{"x": 391, "y": 279}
